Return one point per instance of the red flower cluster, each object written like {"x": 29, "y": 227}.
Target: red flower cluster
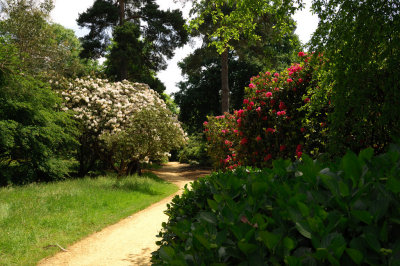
{"x": 270, "y": 123}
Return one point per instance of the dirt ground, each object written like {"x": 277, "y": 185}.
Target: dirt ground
{"x": 130, "y": 241}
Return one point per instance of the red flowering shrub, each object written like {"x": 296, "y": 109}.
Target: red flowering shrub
{"x": 223, "y": 139}
{"x": 275, "y": 121}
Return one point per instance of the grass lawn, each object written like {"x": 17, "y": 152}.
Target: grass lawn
{"x": 38, "y": 215}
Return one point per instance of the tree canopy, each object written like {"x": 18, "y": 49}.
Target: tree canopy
{"x": 143, "y": 37}
{"x": 361, "y": 39}
{"x": 231, "y": 24}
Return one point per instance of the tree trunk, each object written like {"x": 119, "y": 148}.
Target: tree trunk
{"x": 121, "y": 12}
{"x": 224, "y": 82}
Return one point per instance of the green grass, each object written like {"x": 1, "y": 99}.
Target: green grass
{"x": 38, "y": 215}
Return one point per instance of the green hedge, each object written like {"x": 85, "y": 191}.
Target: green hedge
{"x": 195, "y": 151}
{"x": 301, "y": 213}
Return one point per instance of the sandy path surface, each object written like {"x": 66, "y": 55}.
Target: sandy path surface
{"x": 130, "y": 241}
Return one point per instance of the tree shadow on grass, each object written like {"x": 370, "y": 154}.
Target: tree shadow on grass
{"x": 131, "y": 185}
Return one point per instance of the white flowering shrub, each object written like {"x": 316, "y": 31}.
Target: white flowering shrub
{"x": 127, "y": 122}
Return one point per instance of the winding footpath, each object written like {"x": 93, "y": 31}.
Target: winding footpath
{"x": 130, "y": 241}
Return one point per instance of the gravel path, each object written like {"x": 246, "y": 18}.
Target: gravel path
{"x": 130, "y": 241}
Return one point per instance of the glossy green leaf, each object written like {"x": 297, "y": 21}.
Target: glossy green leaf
{"x": 393, "y": 184}
{"x": 352, "y": 167}
{"x": 213, "y": 205}
{"x": 303, "y": 229}
{"x": 362, "y": 215}
{"x": 247, "y": 248}
{"x": 355, "y": 255}
{"x": 372, "y": 240}
{"x": 269, "y": 239}
{"x": 167, "y": 253}
{"x": 202, "y": 240}
{"x": 208, "y": 217}
{"x": 344, "y": 189}
{"x": 366, "y": 154}
{"x": 289, "y": 244}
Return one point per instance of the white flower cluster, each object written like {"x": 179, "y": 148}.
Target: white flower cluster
{"x": 107, "y": 107}
{"x": 128, "y": 120}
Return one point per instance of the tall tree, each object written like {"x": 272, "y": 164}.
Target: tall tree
{"x": 44, "y": 48}
{"x": 199, "y": 95}
{"x": 143, "y": 36}
{"x": 361, "y": 39}
{"x": 237, "y": 20}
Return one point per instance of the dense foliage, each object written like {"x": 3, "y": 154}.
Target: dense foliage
{"x": 45, "y": 49}
{"x": 195, "y": 151}
{"x": 36, "y": 137}
{"x": 123, "y": 123}
{"x": 248, "y": 27}
{"x": 302, "y": 213}
{"x": 362, "y": 41}
{"x": 198, "y": 94}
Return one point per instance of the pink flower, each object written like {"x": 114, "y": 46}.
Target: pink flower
{"x": 300, "y": 80}
{"x": 258, "y": 109}
{"x": 240, "y": 113}
{"x": 276, "y": 74}
{"x": 307, "y": 100}
{"x": 258, "y": 138}
{"x": 252, "y": 86}
{"x": 245, "y": 101}
{"x": 270, "y": 130}
{"x": 302, "y": 129}
{"x": 236, "y": 131}
{"x": 251, "y": 103}
{"x": 281, "y": 113}
{"x": 276, "y": 89}
{"x": 275, "y": 79}
{"x": 298, "y": 148}
{"x": 268, "y": 94}
{"x": 205, "y": 123}
{"x": 301, "y": 54}
{"x": 243, "y": 141}
{"x": 298, "y": 154}
{"x": 289, "y": 80}
{"x": 223, "y": 131}
{"x": 268, "y": 73}
{"x": 282, "y": 106}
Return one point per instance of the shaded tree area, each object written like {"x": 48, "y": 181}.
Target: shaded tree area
{"x": 201, "y": 94}
{"x": 37, "y": 138}
{"x": 143, "y": 37}
{"x": 361, "y": 39}
{"x": 239, "y": 26}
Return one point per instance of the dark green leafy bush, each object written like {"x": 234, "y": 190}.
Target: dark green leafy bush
{"x": 36, "y": 137}
{"x": 302, "y": 213}
{"x": 195, "y": 151}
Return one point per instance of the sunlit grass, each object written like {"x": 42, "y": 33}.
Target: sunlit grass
{"x": 35, "y": 216}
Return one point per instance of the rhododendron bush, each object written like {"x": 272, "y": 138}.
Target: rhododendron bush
{"x": 276, "y": 121}
{"x": 124, "y": 123}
